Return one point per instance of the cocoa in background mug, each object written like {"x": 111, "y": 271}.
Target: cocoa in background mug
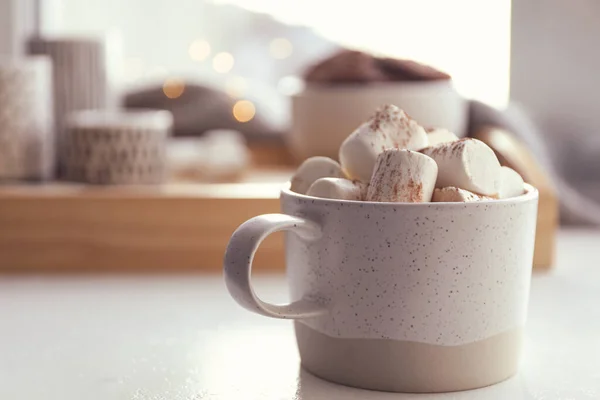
{"x": 403, "y": 297}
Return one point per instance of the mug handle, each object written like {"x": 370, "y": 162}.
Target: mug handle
{"x": 238, "y": 264}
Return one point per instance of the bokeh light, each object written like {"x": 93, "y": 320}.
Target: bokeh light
{"x": 236, "y": 86}
{"x": 199, "y": 50}
{"x": 173, "y": 87}
{"x": 223, "y": 62}
{"x": 244, "y": 110}
{"x": 290, "y": 85}
{"x": 280, "y": 48}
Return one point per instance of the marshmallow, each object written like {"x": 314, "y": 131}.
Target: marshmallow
{"x": 439, "y": 135}
{"x": 511, "y": 183}
{"x": 403, "y": 176}
{"x": 453, "y": 194}
{"x": 404, "y": 132}
{"x": 467, "y": 164}
{"x": 359, "y": 151}
{"x": 312, "y": 169}
{"x": 390, "y": 127}
{"x": 338, "y": 188}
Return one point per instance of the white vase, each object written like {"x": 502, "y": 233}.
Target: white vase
{"x": 26, "y": 136}
{"x": 80, "y": 78}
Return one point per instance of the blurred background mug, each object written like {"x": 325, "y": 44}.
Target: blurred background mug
{"x": 324, "y": 115}
{"x": 400, "y": 297}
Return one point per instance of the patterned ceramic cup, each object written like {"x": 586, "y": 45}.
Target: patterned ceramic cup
{"x": 116, "y": 147}
{"x": 402, "y": 297}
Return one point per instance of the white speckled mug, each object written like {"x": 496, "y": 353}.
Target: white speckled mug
{"x": 401, "y": 297}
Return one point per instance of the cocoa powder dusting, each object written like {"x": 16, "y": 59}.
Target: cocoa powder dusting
{"x": 375, "y": 124}
{"x": 415, "y": 191}
{"x": 383, "y": 115}
{"x": 374, "y": 191}
{"x": 459, "y": 145}
{"x": 442, "y": 149}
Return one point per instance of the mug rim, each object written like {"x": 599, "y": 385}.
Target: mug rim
{"x": 420, "y": 87}
{"x": 531, "y": 193}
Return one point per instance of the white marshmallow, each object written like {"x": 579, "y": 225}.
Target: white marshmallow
{"x": 338, "y": 188}
{"x": 511, "y": 183}
{"x": 359, "y": 151}
{"x": 312, "y": 169}
{"x": 404, "y": 132}
{"x": 453, "y": 194}
{"x": 390, "y": 127}
{"x": 439, "y": 135}
{"x": 467, "y": 164}
{"x": 402, "y": 176}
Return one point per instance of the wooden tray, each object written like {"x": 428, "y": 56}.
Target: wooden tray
{"x": 175, "y": 227}
{"x": 67, "y": 227}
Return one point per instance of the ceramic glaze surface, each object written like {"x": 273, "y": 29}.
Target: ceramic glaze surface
{"x": 437, "y": 273}
{"x": 116, "y": 147}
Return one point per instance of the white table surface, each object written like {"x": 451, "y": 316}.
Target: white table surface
{"x": 181, "y": 337}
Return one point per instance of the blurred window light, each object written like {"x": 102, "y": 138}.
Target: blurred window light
{"x": 290, "y": 85}
{"x": 470, "y": 39}
{"x": 223, "y": 62}
{"x": 157, "y": 72}
{"x": 243, "y": 110}
{"x": 280, "y": 48}
{"x": 133, "y": 69}
{"x": 199, "y": 50}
